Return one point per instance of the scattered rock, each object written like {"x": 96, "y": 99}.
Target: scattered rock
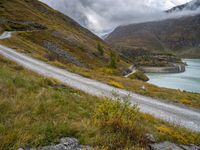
{"x": 35, "y": 25}
{"x": 171, "y": 146}
{"x": 165, "y": 146}
{"x": 70, "y": 142}
{"x": 22, "y": 25}
{"x": 65, "y": 144}
{"x": 143, "y": 87}
{"x": 150, "y": 138}
{"x": 190, "y": 147}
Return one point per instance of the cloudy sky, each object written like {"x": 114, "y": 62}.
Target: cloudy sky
{"x": 101, "y": 16}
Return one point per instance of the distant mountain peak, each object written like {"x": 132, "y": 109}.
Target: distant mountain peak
{"x": 191, "y": 6}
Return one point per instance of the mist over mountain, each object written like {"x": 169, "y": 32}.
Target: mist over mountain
{"x": 178, "y": 33}
{"x": 103, "y": 16}
{"x": 191, "y": 6}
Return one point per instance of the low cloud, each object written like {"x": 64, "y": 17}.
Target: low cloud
{"x": 101, "y": 16}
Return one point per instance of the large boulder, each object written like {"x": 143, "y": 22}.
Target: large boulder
{"x": 65, "y": 144}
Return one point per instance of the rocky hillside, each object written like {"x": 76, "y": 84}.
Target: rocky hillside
{"x": 180, "y": 36}
{"x": 52, "y": 36}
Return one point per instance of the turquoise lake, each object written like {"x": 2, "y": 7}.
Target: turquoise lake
{"x": 188, "y": 80}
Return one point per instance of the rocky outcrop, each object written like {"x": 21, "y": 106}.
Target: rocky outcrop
{"x": 65, "y": 144}
{"x": 62, "y": 53}
{"x": 20, "y": 25}
{"x": 176, "y": 68}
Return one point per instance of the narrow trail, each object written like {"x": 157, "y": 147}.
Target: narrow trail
{"x": 186, "y": 117}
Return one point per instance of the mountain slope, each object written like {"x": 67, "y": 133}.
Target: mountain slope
{"x": 191, "y": 6}
{"x": 50, "y": 35}
{"x": 180, "y": 36}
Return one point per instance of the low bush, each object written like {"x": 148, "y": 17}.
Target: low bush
{"x": 186, "y": 102}
{"x": 113, "y": 60}
{"x": 51, "y": 82}
{"x": 100, "y": 49}
{"x": 121, "y": 119}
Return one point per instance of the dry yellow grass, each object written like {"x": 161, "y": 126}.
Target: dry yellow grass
{"x": 116, "y": 84}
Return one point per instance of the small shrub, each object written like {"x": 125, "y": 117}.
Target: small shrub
{"x": 51, "y": 82}
{"x": 116, "y": 84}
{"x": 113, "y": 60}
{"x": 186, "y": 102}
{"x": 121, "y": 119}
{"x": 164, "y": 130}
{"x": 17, "y": 67}
{"x": 100, "y": 49}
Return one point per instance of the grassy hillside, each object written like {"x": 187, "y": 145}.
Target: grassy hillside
{"x": 179, "y": 36}
{"x": 52, "y": 35}
{"x": 37, "y": 111}
{"x": 48, "y": 35}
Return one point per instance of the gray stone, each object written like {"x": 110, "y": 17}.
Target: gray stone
{"x": 150, "y": 138}
{"x": 56, "y": 147}
{"x": 70, "y": 143}
{"x": 190, "y": 147}
{"x": 65, "y": 144}
{"x": 165, "y": 146}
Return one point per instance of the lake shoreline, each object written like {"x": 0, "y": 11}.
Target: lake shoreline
{"x": 185, "y": 81}
{"x": 175, "y": 68}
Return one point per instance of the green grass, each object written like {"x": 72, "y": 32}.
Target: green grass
{"x": 36, "y": 111}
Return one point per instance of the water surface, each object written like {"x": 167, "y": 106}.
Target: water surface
{"x": 188, "y": 80}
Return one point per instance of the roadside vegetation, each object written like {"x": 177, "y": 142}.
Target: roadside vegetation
{"x": 37, "y": 111}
